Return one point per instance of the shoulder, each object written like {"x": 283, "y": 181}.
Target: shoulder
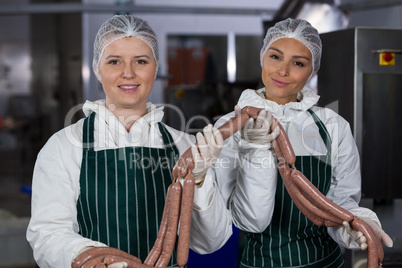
{"x": 178, "y": 136}
{"x": 328, "y": 116}
{"x": 69, "y": 136}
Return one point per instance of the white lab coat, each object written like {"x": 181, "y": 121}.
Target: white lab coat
{"x": 248, "y": 182}
{"x": 53, "y": 228}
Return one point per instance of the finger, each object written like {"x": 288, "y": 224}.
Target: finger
{"x": 386, "y": 239}
{"x": 347, "y": 226}
{"x": 274, "y": 134}
{"x": 260, "y": 120}
{"x": 356, "y": 235}
{"x": 202, "y": 146}
{"x": 195, "y": 153}
{"x": 208, "y": 136}
{"x": 209, "y": 139}
{"x": 249, "y": 124}
{"x": 118, "y": 265}
{"x": 362, "y": 239}
{"x": 247, "y": 129}
{"x": 218, "y": 138}
{"x": 216, "y": 144}
{"x": 269, "y": 116}
{"x": 237, "y": 110}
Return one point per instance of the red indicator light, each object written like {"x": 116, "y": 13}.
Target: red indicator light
{"x": 387, "y": 57}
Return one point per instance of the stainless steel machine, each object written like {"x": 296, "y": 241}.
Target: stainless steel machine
{"x": 361, "y": 78}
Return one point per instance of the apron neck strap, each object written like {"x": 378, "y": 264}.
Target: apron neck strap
{"x": 323, "y": 131}
{"x": 88, "y": 132}
{"x": 167, "y": 139}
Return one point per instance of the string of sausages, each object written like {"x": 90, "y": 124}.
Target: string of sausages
{"x": 179, "y": 202}
{"x": 178, "y": 205}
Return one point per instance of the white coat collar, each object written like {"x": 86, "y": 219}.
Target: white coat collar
{"x": 250, "y": 97}
{"x": 115, "y": 132}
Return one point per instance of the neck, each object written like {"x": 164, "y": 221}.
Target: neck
{"x": 127, "y": 116}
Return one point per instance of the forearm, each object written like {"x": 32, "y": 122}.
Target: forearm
{"x": 253, "y": 198}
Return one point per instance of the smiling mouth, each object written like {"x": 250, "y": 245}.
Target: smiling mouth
{"x": 128, "y": 88}
{"x": 279, "y": 83}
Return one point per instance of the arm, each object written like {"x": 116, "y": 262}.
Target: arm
{"x": 345, "y": 189}
{"x": 246, "y": 176}
{"x": 53, "y": 228}
{"x": 211, "y": 224}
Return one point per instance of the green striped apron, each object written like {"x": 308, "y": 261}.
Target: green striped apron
{"x": 123, "y": 192}
{"x": 291, "y": 240}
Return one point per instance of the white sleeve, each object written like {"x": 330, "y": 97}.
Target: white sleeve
{"x": 211, "y": 225}
{"x": 246, "y": 175}
{"x": 345, "y": 189}
{"x": 53, "y": 228}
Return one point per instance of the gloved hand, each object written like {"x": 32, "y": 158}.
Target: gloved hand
{"x": 357, "y": 236}
{"x": 258, "y": 130}
{"x": 384, "y": 237}
{"x": 362, "y": 240}
{"x": 206, "y": 152}
{"x": 118, "y": 265}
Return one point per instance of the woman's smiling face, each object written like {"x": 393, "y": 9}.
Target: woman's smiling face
{"x": 127, "y": 71}
{"x": 286, "y": 67}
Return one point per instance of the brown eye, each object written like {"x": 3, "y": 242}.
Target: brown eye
{"x": 113, "y": 62}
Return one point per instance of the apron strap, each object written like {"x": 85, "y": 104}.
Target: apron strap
{"x": 323, "y": 131}
{"x": 88, "y": 132}
{"x": 168, "y": 141}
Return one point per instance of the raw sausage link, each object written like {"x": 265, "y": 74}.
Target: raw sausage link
{"x": 157, "y": 248}
{"x": 98, "y": 251}
{"x": 375, "y": 250}
{"x": 319, "y": 198}
{"x": 284, "y": 143}
{"x": 170, "y": 238}
{"x": 185, "y": 162}
{"x": 185, "y": 220}
{"x": 285, "y": 172}
{"x": 373, "y": 259}
{"x": 278, "y": 151}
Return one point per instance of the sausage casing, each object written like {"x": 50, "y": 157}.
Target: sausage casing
{"x": 185, "y": 220}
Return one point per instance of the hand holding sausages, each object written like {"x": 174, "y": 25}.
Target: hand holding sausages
{"x": 206, "y": 152}
{"x": 357, "y": 236}
{"x": 383, "y": 236}
{"x": 258, "y": 130}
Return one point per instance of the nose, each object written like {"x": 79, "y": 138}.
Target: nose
{"x": 283, "y": 70}
{"x": 128, "y": 72}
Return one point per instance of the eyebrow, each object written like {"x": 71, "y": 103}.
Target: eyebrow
{"x": 135, "y": 57}
{"x": 295, "y": 56}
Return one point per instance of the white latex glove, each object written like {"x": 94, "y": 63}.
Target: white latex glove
{"x": 258, "y": 130}
{"x": 384, "y": 237}
{"x": 362, "y": 240}
{"x": 357, "y": 236}
{"x": 118, "y": 265}
{"x": 207, "y": 151}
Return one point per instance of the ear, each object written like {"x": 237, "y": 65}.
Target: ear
{"x": 156, "y": 69}
{"x": 96, "y": 71}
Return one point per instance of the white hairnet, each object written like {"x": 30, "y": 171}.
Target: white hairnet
{"x": 118, "y": 27}
{"x": 298, "y": 29}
